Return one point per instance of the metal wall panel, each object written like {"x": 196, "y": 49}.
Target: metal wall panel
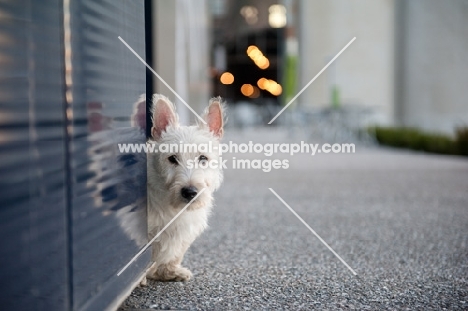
{"x": 72, "y": 208}
{"x": 108, "y": 189}
{"x": 33, "y": 252}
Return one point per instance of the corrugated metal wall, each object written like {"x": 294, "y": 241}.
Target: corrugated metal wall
{"x": 72, "y": 208}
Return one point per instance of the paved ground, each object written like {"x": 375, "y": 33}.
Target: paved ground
{"x": 400, "y": 219}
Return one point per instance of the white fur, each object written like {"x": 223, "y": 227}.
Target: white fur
{"x": 165, "y": 181}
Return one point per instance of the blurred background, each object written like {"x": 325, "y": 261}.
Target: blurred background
{"x": 407, "y": 68}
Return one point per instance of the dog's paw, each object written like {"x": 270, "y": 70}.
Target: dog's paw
{"x": 168, "y": 273}
{"x": 182, "y": 274}
{"x": 144, "y": 282}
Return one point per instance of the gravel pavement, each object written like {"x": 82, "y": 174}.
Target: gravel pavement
{"x": 398, "y": 218}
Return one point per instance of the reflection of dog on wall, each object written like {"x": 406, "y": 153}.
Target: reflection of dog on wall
{"x": 172, "y": 185}
{"x": 119, "y": 179}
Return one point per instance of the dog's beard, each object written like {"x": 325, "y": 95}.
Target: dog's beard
{"x": 179, "y": 179}
{"x": 203, "y": 200}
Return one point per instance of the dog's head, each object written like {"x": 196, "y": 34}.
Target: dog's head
{"x": 193, "y": 163}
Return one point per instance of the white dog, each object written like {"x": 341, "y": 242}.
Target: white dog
{"x": 172, "y": 184}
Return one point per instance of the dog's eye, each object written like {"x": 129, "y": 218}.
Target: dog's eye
{"x": 173, "y": 159}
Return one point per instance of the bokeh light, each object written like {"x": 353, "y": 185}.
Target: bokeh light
{"x": 247, "y": 90}
{"x": 270, "y": 85}
{"x": 250, "y": 14}
{"x": 277, "y": 16}
{"x": 227, "y": 78}
{"x": 257, "y": 56}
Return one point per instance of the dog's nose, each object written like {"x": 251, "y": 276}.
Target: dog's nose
{"x": 189, "y": 192}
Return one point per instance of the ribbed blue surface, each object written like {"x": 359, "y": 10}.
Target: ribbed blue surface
{"x": 72, "y": 209}
{"x": 33, "y": 251}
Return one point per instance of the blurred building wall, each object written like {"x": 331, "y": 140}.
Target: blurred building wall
{"x": 432, "y": 69}
{"x": 408, "y": 61}
{"x": 363, "y": 74}
{"x": 182, "y": 54}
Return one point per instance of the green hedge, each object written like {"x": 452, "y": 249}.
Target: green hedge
{"x": 416, "y": 139}
{"x": 462, "y": 140}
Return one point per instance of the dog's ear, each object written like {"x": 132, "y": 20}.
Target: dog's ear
{"x": 214, "y": 116}
{"x": 138, "y": 117}
{"x": 163, "y": 115}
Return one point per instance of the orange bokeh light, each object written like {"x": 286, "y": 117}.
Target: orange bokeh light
{"x": 276, "y": 90}
{"x": 262, "y": 62}
{"x": 257, "y": 56}
{"x": 247, "y": 90}
{"x": 261, "y": 83}
{"x": 251, "y": 48}
{"x": 226, "y": 78}
{"x": 271, "y": 86}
